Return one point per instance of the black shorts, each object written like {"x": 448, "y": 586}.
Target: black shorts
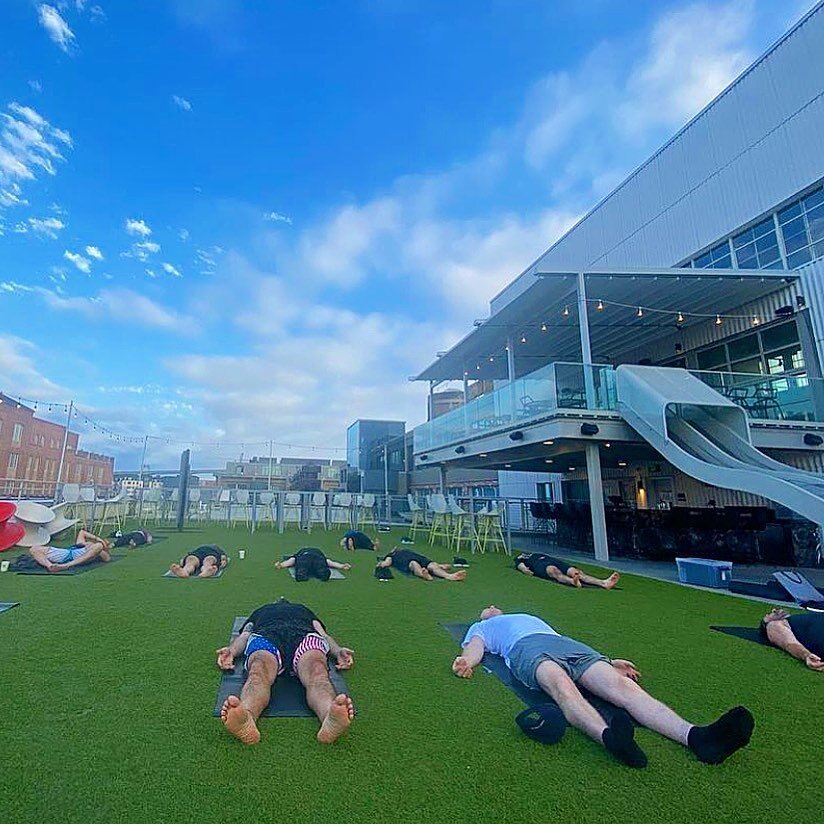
{"x": 311, "y": 563}
{"x": 402, "y": 558}
{"x": 539, "y": 566}
{"x": 203, "y": 552}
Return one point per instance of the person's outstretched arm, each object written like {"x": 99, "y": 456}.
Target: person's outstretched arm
{"x": 522, "y": 567}
{"x": 226, "y": 655}
{"x": 386, "y": 562}
{"x": 780, "y": 634}
{"x": 343, "y": 655}
{"x": 472, "y": 655}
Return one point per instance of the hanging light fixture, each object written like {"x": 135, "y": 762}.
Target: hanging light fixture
{"x": 543, "y": 327}
{"x": 565, "y": 313}
{"x": 523, "y": 338}
{"x": 718, "y": 320}
{"x": 755, "y": 320}
{"x": 639, "y": 313}
{"x": 491, "y": 359}
{"x": 600, "y": 306}
{"x": 680, "y": 318}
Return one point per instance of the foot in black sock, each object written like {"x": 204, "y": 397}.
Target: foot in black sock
{"x": 618, "y": 738}
{"x": 716, "y": 742}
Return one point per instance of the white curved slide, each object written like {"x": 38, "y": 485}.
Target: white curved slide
{"x": 707, "y": 436}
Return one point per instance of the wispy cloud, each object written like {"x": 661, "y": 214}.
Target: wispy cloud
{"x": 171, "y": 270}
{"x": 56, "y": 27}
{"x": 137, "y": 227}
{"x": 83, "y": 264}
{"x": 12, "y": 196}
{"x": 94, "y": 252}
{"x": 183, "y": 234}
{"x": 36, "y": 86}
{"x": 18, "y": 369}
{"x": 181, "y": 103}
{"x": 142, "y": 250}
{"x": 45, "y": 227}
{"x": 277, "y": 217}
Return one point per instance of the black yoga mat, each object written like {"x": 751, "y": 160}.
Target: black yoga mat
{"x": 288, "y": 695}
{"x": 772, "y": 590}
{"x": 169, "y": 574}
{"x": 532, "y": 698}
{"x": 78, "y": 570}
{"x": 746, "y": 633}
{"x": 7, "y": 606}
{"x": 336, "y": 575}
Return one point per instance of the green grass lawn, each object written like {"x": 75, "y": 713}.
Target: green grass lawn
{"x": 108, "y": 681}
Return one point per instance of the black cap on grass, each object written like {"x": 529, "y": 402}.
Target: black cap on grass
{"x": 544, "y": 723}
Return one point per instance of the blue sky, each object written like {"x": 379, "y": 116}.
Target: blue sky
{"x": 229, "y": 221}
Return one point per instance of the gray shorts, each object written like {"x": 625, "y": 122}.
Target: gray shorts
{"x": 530, "y": 652}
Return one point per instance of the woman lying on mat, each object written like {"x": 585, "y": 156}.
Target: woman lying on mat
{"x": 310, "y": 562}
{"x": 802, "y": 636}
{"x": 137, "y": 537}
{"x": 209, "y": 559}
{"x": 84, "y": 550}
{"x": 553, "y": 569}
{"x": 406, "y": 560}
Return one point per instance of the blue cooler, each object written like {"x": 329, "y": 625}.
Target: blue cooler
{"x": 704, "y": 573}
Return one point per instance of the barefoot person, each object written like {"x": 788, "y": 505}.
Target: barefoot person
{"x": 544, "y": 660}
{"x": 310, "y": 562}
{"x": 408, "y": 561}
{"x": 209, "y": 559}
{"x": 279, "y": 637}
{"x": 553, "y": 569}
{"x": 86, "y": 548}
{"x": 137, "y": 537}
{"x": 355, "y": 539}
{"x": 802, "y": 635}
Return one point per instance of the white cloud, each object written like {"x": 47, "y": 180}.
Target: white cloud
{"x": 137, "y": 227}
{"x": 277, "y": 217}
{"x": 94, "y": 252}
{"x": 151, "y": 273}
{"x": 171, "y": 270}
{"x": 183, "y": 234}
{"x": 46, "y": 226}
{"x": 12, "y": 196}
{"x": 29, "y": 145}
{"x": 122, "y": 304}
{"x": 36, "y": 86}
{"x": 83, "y": 264}
{"x": 19, "y": 374}
{"x": 56, "y": 27}
{"x": 181, "y": 103}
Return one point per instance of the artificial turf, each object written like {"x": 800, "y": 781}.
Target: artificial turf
{"x": 108, "y": 682}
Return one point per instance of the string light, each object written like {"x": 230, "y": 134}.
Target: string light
{"x": 680, "y": 318}
{"x": 523, "y": 338}
{"x": 755, "y": 320}
{"x": 600, "y": 306}
{"x": 718, "y": 320}
{"x": 543, "y": 326}
{"x": 565, "y": 313}
{"x": 639, "y": 313}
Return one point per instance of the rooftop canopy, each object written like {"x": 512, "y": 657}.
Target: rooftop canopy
{"x": 626, "y": 310}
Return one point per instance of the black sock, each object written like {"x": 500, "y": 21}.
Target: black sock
{"x": 619, "y": 740}
{"x": 716, "y": 742}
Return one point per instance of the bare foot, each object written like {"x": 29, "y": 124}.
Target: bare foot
{"x": 238, "y": 721}
{"x": 611, "y": 581}
{"x": 337, "y": 721}
{"x": 426, "y": 575}
{"x": 460, "y": 575}
{"x": 179, "y": 571}
{"x": 576, "y": 578}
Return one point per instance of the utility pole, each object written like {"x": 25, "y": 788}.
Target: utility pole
{"x": 269, "y": 482}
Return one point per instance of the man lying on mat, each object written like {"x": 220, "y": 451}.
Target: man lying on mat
{"x": 137, "y": 537}
{"x": 310, "y": 562}
{"x": 277, "y": 637}
{"x": 802, "y": 636}
{"x": 85, "y": 549}
{"x": 408, "y": 561}
{"x": 553, "y": 569}
{"x": 544, "y": 660}
{"x": 355, "y": 539}
{"x": 209, "y": 558}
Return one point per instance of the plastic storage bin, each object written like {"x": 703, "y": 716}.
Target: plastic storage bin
{"x": 704, "y": 573}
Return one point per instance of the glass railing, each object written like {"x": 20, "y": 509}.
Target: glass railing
{"x": 557, "y": 386}
{"x": 769, "y": 397}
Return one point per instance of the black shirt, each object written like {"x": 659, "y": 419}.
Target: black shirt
{"x": 360, "y": 540}
{"x": 537, "y": 563}
{"x": 401, "y": 558}
{"x": 309, "y": 552}
{"x": 808, "y": 628}
{"x": 283, "y": 623}
{"x": 202, "y": 552}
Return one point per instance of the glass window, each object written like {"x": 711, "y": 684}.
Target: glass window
{"x": 785, "y": 360}
{"x": 750, "y": 366}
{"x": 792, "y": 211}
{"x": 757, "y": 248}
{"x": 799, "y": 258}
{"x": 777, "y": 336}
{"x": 802, "y": 225}
{"x": 717, "y": 258}
{"x": 17, "y": 433}
{"x": 710, "y": 358}
{"x": 14, "y": 459}
{"x": 743, "y": 347}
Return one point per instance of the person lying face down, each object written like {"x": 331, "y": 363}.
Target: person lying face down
{"x": 802, "y": 636}
{"x": 87, "y": 547}
{"x": 284, "y": 637}
{"x": 408, "y": 561}
{"x": 543, "y": 660}
{"x": 138, "y": 537}
{"x": 209, "y": 559}
{"x": 355, "y": 539}
{"x": 310, "y": 562}
{"x": 553, "y": 569}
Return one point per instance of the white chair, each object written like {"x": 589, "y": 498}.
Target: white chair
{"x": 150, "y": 503}
{"x": 70, "y": 495}
{"x": 241, "y": 508}
{"x": 88, "y": 506}
{"x": 342, "y": 509}
{"x": 317, "y": 509}
{"x": 112, "y": 511}
{"x": 170, "y": 505}
{"x": 460, "y": 527}
{"x": 265, "y": 510}
{"x": 193, "y": 508}
{"x": 440, "y": 518}
{"x": 219, "y": 507}
{"x": 490, "y": 533}
{"x": 417, "y": 514}
{"x": 366, "y": 509}
{"x": 291, "y": 509}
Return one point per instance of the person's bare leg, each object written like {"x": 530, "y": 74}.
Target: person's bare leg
{"x": 83, "y": 536}
{"x": 208, "y": 568}
{"x": 337, "y": 565}
{"x": 576, "y": 709}
{"x": 553, "y": 572}
{"x": 93, "y": 551}
{"x": 334, "y": 711}
{"x": 439, "y": 572}
{"x": 604, "y": 681}
{"x": 40, "y": 554}
{"x": 287, "y": 564}
{"x": 190, "y": 565}
{"x": 591, "y": 580}
{"x": 416, "y": 569}
{"x": 240, "y": 715}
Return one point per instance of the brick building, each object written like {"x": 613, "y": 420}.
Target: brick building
{"x": 30, "y": 451}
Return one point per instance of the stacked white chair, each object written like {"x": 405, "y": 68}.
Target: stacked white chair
{"x": 317, "y": 509}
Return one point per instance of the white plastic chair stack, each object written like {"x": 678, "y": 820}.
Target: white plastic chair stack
{"x": 241, "y": 508}
{"x": 71, "y": 497}
{"x": 266, "y": 508}
{"x": 342, "y": 509}
{"x": 417, "y": 514}
{"x": 317, "y": 509}
{"x": 440, "y": 519}
{"x": 460, "y": 526}
{"x": 193, "y": 509}
{"x": 291, "y": 509}
{"x": 111, "y": 511}
{"x": 219, "y": 509}
{"x": 88, "y": 505}
{"x": 150, "y": 505}
{"x": 366, "y": 509}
